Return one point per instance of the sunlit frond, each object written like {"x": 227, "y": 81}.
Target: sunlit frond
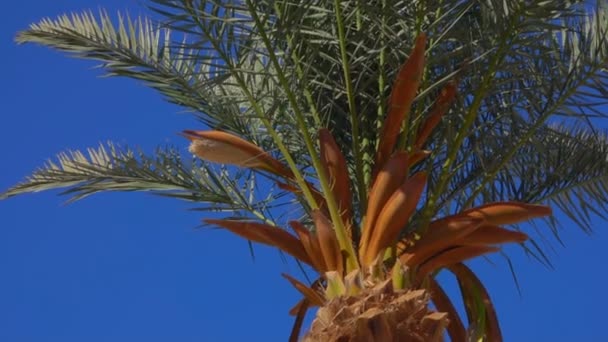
{"x": 140, "y": 49}
{"x": 113, "y": 168}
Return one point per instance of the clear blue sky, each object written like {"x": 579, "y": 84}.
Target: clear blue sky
{"x": 132, "y": 267}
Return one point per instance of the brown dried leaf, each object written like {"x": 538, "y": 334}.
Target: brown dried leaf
{"x": 310, "y": 242}
{"x": 442, "y": 302}
{"x": 314, "y": 297}
{"x": 294, "y": 310}
{"x": 266, "y": 234}
{"x": 328, "y": 242}
{"x": 492, "y": 235}
{"x": 335, "y": 166}
{"x": 502, "y": 213}
{"x": 391, "y": 176}
{"x": 452, "y": 256}
{"x": 403, "y": 93}
{"x": 395, "y": 215}
{"x": 441, "y": 234}
{"x": 315, "y": 285}
{"x": 297, "y": 324}
{"x": 471, "y": 285}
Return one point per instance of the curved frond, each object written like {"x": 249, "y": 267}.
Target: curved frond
{"x": 574, "y": 174}
{"x": 565, "y": 166}
{"x": 113, "y": 168}
{"x": 139, "y": 49}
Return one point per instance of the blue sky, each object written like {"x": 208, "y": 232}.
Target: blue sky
{"x": 133, "y": 267}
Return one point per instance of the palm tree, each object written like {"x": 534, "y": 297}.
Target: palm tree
{"x": 417, "y": 164}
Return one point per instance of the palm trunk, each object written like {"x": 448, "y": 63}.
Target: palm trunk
{"x": 379, "y": 315}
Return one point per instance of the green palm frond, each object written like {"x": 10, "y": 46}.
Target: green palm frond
{"x": 256, "y": 68}
{"x": 140, "y": 49}
{"x": 113, "y": 168}
{"x": 560, "y": 165}
{"x": 574, "y": 175}
{"x": 569, "y": 81}
{"x": 565, "y": 167}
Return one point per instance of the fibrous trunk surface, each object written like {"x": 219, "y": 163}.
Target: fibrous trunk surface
{"x": 379, "y": 315}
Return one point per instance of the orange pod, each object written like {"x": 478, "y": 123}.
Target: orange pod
{"x": 492, "y": 235}
{"x": 451, "y": 257}
{"x": 226, "y": 148}
{"x": 501, "y": 213}
{"x": 310, "y": 242}
{"x": 395, "y": 215}
{"x": 335, "y": 166}
{"x": 391, "y": 176}
{"x": 441, "y": 234}
{"x": 265, "y": 234}
{"x": 402, "y": 95}
{"x": 328, "y": 242}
